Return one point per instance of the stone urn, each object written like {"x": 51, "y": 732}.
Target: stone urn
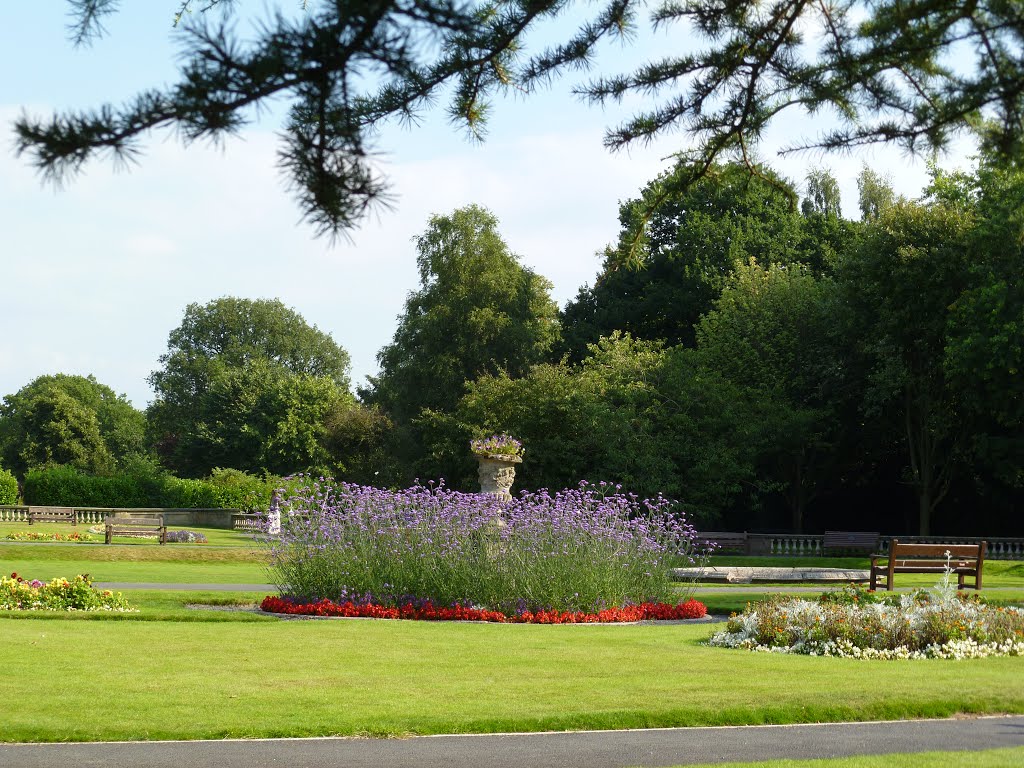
{"x": 497, "y": 473}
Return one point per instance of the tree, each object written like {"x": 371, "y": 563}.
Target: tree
{"x": 73, "y": 420}
{"x": 632, "y": 413}
{"x": 908, "y": 269}
{"x": 245, "y": 384}
{"x": 984, "y": 356}
{"x": 823, "y": 197}
{"x": 875, "y": 194}
{"x": 478, "y": 311}
{"x": 679, "y": 243}
{"x": 776, "y": 331}
{"x": 887, "y": 71}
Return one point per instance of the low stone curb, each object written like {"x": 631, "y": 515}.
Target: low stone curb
{"x": 746, "y": 575}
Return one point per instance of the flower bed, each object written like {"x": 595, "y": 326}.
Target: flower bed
{"x": 427, "y": 611}
{"x": 186, "y": 537}
{"x": 74, "y": 536}
{"x": 578, "y": 551}
{"x": 857, "y": 623}
{"x": 19, "y": 594}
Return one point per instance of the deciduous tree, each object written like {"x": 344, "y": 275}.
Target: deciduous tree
{"x": 73, "y": 420}
{"x": 478, "y": 311}
{"x": 245, "y": 384}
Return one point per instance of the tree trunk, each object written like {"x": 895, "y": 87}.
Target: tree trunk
{"x": 924, "y": 511}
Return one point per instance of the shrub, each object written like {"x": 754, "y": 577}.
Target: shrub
{"x": 580, "y": 550}
{"x": 235, "y": 489}
{"x": 19, "y": 594}
{"x": 8, "y": 488}
{"x": 186, "y": 537}
{"x": 181, "y": 493}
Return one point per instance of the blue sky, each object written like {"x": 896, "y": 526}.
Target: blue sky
{"x": 96, "y": 274}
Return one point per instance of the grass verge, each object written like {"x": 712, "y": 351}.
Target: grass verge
{"x": 170, "y": 563}
{"x": 75, "y": 680}
{"x": 217, "y": 537}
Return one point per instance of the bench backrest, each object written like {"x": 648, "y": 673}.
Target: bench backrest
{"x": 956, "y": 551}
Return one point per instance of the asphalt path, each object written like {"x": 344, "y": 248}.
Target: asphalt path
{"x": 578, "y": 749}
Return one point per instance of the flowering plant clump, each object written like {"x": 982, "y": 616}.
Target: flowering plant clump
{"x": 19, "y": 594}
{"x": 497, "y": 445}
{"x": 186, "y": 537}
{"x": 857, "y": 623}
{"x": 581, "y": 550}
{"x": 38, "y": 536}
{"x": 427, "y": 611}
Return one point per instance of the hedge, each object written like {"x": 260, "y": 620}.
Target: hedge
{"x": 225, "y": 489}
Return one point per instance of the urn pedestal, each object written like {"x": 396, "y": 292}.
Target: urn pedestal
{"x": 497, "y": 473}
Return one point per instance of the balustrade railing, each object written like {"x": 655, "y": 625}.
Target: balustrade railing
{"x": 811, "y": 545}
{"x": 13, "y": 514}
{"x": 248, "y": 522}
{"x": 96, "y": 515}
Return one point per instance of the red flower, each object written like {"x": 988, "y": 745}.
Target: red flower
{"x": 691, "y": 609}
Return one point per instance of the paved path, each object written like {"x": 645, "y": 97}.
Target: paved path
{"x": 584, "y": 749}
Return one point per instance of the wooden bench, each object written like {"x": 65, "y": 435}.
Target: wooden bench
{"x": 860, "y": 542}
{"x": 52, "y": 515}
{"x": 135, "y": 526}
{"x": 964, "y": 560}
{"x": 726, "y": 541}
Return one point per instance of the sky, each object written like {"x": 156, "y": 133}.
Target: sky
{"x": 95, "y": 275}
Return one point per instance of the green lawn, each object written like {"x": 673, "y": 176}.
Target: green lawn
{"x": 988, "y": 758}
{"x": 137, "y": 562}
{"x": 217, "y": 537}
{"x": 88, "y": 680}
{"x": 211, "y": 674}
{"x": 148, "y": 572}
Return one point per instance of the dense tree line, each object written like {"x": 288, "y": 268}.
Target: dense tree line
{"x": 772, "y": 366}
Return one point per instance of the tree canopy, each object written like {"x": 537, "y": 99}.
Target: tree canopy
{"x": 678, "y": 245}
{"x": 911, "y": 73}
{"x": 73, "y": 420}
{"x": 245, "y": 384}
{"x": 478, "y": 311}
